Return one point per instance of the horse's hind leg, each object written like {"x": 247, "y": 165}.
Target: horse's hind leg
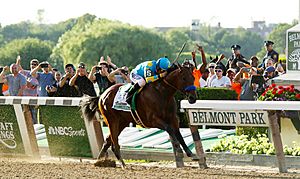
{"x": 114, "y": 136}
{"x": 188, "y": 152}
{"x": 104, "y": 152}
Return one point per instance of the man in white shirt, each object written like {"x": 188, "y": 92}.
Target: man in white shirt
{"x": 220, "y": 80}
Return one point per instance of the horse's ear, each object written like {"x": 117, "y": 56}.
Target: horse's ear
{"x": 217, "y": 57}
{"x": 210, "y": 58}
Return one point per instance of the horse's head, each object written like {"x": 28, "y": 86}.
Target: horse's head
{"x": 181, "y": 78}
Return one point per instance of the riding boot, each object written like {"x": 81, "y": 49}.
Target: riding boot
{"x": 131, "y": 92}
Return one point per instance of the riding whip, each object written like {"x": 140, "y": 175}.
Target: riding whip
{"x": 179, "y": 53}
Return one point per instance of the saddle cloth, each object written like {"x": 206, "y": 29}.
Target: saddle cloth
{"x": 120, "y": 99}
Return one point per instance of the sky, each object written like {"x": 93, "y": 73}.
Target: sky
{"x": 155, "y": 13}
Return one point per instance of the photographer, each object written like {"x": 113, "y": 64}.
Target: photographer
{"x": 120, "y": 75}
{"x": 248, "y": 88}
{"x": 54, "y": 89}
{"x": 99, "y": 73}
{"x": 65, "y": 90}
{"x": 45, "y": 78}
{"x": 80, "y": 79}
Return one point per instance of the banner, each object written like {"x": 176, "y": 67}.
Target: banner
{"x": 66, "y": 131}
{"x": 228, "y": 118}
{"x": 10, "y": 137}
{"x": 293, "y": 57}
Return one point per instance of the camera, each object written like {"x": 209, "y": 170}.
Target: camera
{"x": 98, "y": 68}
{"x": 260, "y": 82}
{"x": 124, "y": 72}
{"x": 247, "y": 70}
{"x": 44, "y": 65}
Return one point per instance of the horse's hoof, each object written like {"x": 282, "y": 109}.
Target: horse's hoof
{"x": 203, "y": 166}
{"x": 105, "y": 163}
{"x": 195, "y": 158}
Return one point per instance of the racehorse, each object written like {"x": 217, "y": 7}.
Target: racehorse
{"x": 156, "y": 108}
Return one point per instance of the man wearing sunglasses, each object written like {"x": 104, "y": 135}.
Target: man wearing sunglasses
{"x": 81, "y": 80}
{"x": 220, "y": 80}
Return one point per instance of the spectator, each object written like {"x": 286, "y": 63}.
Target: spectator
{"x": 197, "y": 73}
{"x": 32, "y": 84}
{"x": 45, "y": 78}
{"x": 269, "y": 62}
{"x": 120, "y": 75}
{"x": 100, "y": 74}
{"x": 279, "y": 70}
{"x": 65, "y": 89}
{"x": 54, "y": 90}
{"x": 247, "y": 92}
{"x": 212, "y": 75}
{"x": 235, "y": 58}
{"x": 230, "y": 73}
{"x": 202, "y": 81}
{"x": 16, "y": 81}
{"x": 269, "y": 73}
{"x": 81, "y": 80}
{"x": 220, "y": 80}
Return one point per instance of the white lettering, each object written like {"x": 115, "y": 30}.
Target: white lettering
{"x": 65, "y": 131}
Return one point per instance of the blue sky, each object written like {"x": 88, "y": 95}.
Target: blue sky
{"x": 153, "y": 13}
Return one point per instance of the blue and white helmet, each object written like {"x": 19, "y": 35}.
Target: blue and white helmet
{"x": 163, "y": 63}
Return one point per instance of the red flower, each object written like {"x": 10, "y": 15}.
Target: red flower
{"x": 273, "y": 85}
{"x": 280, "y": 91}
{"x": 263, "y": 94}
{"x": 275, "y": 89}
{"x": 292, "y": 86}
{"x": 297, "y": 96}
{"x": 274, "y": 92}
{"x": 280, "y": 87}
{"x": 287, "y": 89}
{"x": 292, "y": 90}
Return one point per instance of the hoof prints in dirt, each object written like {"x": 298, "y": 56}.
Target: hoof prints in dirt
{"x": 105, "y": 163}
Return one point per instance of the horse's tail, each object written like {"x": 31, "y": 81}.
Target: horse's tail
{"x": 89, "y": 107}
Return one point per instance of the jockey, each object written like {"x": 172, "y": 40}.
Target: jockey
{"x": 147, "y": 72}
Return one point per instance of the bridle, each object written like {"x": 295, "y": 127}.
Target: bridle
{"x": 183, "y": 91}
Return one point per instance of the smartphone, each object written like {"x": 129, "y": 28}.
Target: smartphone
{"x": 44, "y": 65}
{"x": 247, "y": 70}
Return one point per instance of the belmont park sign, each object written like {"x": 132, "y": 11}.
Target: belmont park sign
{"x": 228, "y": 118}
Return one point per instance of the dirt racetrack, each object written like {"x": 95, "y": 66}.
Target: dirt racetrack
{"x": 24, "y": 168}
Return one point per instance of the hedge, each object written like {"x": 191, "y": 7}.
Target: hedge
{"x": 205, "y": 94}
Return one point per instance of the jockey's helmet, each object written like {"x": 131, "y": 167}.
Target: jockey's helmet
{"x": 163, "y": 63}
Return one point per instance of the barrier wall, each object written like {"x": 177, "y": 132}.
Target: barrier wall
{"x": 239, "y": 113}
{"x": 67, "y": 133}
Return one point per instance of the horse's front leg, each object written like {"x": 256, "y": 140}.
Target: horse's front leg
{"x": 178, "y": 153}
{"x": 188, "y": 152}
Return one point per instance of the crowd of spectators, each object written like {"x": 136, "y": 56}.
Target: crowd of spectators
{"x": 244, "y": 76}
{"x": 247, "y": 77}
{"x": 44, "y": 80}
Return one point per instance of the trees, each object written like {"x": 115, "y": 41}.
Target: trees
{"x": 278, "y": 36}
{"x": 28, "y": 49}
{"x": 125, "y": 44}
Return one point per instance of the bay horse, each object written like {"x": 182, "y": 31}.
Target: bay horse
{"x": 156, "y": 108}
